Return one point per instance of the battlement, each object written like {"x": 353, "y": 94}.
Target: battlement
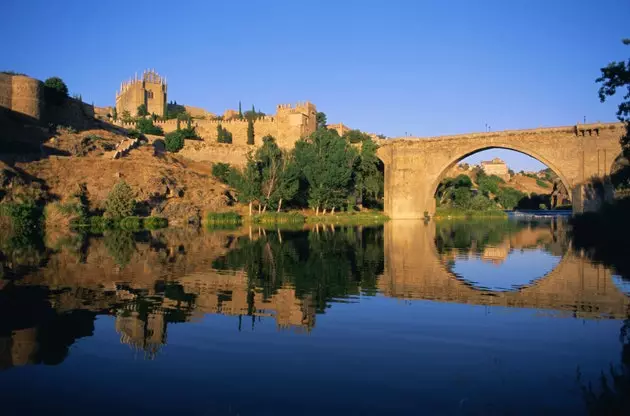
{"x": 149, "y": 76}
{"x": 300, "y": 106}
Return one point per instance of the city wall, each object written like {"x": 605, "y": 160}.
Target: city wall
{"x": 24, "y": 96}
{"x": 288, "y": 125}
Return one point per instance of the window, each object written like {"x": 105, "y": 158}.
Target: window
{"x": 149, "y": 94}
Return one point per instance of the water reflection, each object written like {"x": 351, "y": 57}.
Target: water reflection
{"x": 312, "y": 283}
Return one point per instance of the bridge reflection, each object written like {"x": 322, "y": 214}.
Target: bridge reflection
{"x": 414, "y": 269}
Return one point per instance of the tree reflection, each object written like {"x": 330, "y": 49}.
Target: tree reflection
{"x": 612, "y": 395}
{"x": 323, "y": 265}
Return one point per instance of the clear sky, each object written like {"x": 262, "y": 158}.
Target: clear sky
{"x": 395, "y": 67}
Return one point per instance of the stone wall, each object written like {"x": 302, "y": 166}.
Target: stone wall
{"x": 212, "y": 152}
{"x": 414, "y": 167}
{"x": 22, "y": 94}
{"x": 288, "y": 125}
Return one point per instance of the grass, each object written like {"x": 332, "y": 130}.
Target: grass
{"x": 441, "y": 213}
{"x": 349, "y": 218}
{"x": 279, "y": 218}
{"x": 223, "y": 218}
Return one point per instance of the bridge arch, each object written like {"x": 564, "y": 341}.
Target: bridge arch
{"x": 414, "y": 166}
{"x": 453, "y": 160}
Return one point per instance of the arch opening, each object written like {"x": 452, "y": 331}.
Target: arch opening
{"x": 524, "y": 180}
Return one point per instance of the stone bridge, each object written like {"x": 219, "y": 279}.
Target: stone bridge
{"x": 415, "y": 270}
{"x": 414, "y": 167}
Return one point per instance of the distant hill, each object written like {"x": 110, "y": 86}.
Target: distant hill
{"x": 528, "y": 183}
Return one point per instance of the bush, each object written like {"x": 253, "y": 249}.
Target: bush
{"x": 131, "y": 224}
{"x": 221, "y": 171}
{"x": 99, "y": 224}
{"x": 120, "y": 201}
{"x": 155, "y": 223}
{"x": 25, "y": 217}
{"x": 542, "y": 183}
{"x": 174, "y": 141}
{"x": 146, "y": 126}
{"x": 134, "y": 134}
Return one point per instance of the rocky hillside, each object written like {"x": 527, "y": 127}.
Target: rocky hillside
{"x": 165, "y": 185}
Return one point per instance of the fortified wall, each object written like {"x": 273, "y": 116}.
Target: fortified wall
{"x": 288, "y": 125}
{"x": 21, "y": 94}
{"x": 24, "y": 96}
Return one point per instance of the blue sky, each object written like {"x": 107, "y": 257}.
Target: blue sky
{"x": 395, "y": 67}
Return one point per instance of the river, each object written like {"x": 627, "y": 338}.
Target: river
{"x": 455, "y": 317}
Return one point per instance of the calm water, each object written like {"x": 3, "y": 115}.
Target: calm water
{"x": 499, "y": 317}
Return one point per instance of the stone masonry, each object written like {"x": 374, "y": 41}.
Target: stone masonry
{"x": 414, "y": 167}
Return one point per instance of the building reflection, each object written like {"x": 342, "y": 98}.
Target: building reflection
{"x": 282, "y": 277}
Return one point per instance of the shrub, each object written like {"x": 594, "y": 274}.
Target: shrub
{"x": 55, "y": 90}
{"x": 100, "y": 224}
{"x": 174, "y": 141}
{"x": 221, "y": 171}
{"x": 134, "y": 134}
{"x": 189, "y": 133}
{"x": 146, "y": 126}
{"x": 155, "y": 223}
{"x": 120, "y": 201}
{"x": 542, "y": 183}
{"x": 66, "y": 130}
{"x": 131, "y": 224}
{"x": 25, "y": 217}
{"x": 12, "y": 73}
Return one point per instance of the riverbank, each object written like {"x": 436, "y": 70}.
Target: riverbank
{"x": 295, "y": 218}
{"x": 448, "y": 213}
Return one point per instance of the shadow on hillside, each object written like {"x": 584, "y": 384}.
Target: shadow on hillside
{"x": 24, "y": 138}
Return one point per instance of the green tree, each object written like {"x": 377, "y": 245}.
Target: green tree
{"x": 355, "y": 136}
{"x": 57, "y": 84}
{"x": 55, "y": 90}
{"x": 221, "y": 171}
{"x": 614, "y": 76}
{"x": 223, "y": 136}
{"x": 146, "y": 126}
{"x": 250, "y": 131}
{"x": 325, "y": 161}
{"x": 142, "y": 110}
{"x": 240, "y": 111}
{"x": 321, "y": 120}
{"x": 120, "y": 202}
{"x": 368, "y": 178}
{"x": 278, "y": 173}
{"x": 248, "y": 185}
{"x": 126, "y": 116}
{"x": 509, "y": 198}
{"x": 115, "y": 114}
